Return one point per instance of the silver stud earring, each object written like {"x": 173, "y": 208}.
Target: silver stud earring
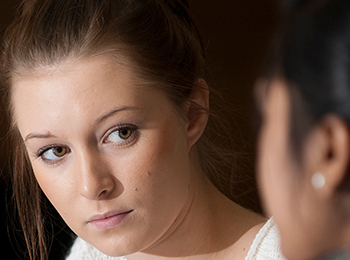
{"x": 318, "y": 180}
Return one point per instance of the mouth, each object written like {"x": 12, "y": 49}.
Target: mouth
{"x": 108, "y": 220}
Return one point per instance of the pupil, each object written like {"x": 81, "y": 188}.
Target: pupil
{"x": 60, "y": 151}
{"x": 125, "y": 132}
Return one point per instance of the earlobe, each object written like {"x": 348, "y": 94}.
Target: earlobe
{"x": 197, "y": 112}
{"x": 335, "y": 162}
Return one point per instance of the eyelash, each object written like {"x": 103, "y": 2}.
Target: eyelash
{"x": 128, "y": 140}
{"x": 119, "y": 128}
{"x": 40, "y": 153}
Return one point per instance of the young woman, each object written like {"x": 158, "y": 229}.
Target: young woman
{"x": 109, "y": 107}
{"x": 304, "y": 150}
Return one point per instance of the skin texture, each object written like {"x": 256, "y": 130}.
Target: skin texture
{"x": 312, "y": 221}
{"x": 123, "y": 147}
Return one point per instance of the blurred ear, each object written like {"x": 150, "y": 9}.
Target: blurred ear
{"x": 197, "y": 112}
{"x": 333, "y": 137}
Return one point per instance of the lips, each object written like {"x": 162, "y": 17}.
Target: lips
{"x": 108, "y": 220}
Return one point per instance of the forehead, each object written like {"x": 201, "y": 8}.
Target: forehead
{"x": 76, "y": 89}
{"x": 74, "y": 75}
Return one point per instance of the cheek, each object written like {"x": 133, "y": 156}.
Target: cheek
{"x": 275, "y": 173}
{"x": 282, "y": 193}
{"x": 58, "y": 191}
{"x": 164, "y": 148}
{"x": 162, "y": 167}
{"x": 274, "y": 184}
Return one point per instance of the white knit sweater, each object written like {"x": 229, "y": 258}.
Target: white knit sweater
{"x": 266, "y": 246}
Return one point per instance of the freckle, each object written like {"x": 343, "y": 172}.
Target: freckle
{"x": 135, "y": 189}
{"x": 243, "y": 249}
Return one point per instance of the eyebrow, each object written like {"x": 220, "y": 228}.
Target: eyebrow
{"x": 39, "y": 136}
{"x": 112, "y": 112}
{"x": 98, "y": 121}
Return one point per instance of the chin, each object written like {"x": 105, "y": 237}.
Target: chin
{"x": 117, "y": 246}
{"x": 116, "y": 250}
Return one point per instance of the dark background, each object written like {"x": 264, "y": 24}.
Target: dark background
{"x": 237, "y": 35}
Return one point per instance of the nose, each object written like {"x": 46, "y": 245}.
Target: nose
{"x": 95, "y": 181}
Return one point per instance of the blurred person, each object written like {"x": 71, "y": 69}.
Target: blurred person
{"x": 304, "y": 140}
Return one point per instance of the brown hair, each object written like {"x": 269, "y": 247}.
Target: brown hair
{"x": 157, "y": 35}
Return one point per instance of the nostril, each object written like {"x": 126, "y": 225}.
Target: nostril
{"x": 103, "y": 194}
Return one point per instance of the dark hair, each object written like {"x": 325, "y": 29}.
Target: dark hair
{"x": 158, "y": 37}
{"x": 313, "y": 57}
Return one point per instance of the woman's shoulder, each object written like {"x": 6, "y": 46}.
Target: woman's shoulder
{"x": 81, "y": 250}
{"x": 267, "y": 244}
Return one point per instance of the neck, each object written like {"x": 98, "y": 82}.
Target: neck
{"x": 209, "y": 227}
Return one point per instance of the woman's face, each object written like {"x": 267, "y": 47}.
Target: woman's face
{"x": 111, "y": 154}
{"x": 285, "y": 187}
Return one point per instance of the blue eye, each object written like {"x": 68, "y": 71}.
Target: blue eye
{"x": 122, "y": 134}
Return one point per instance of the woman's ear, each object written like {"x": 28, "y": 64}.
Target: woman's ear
{"x": 334, "y": 137}
{"x": 197, "y": 112}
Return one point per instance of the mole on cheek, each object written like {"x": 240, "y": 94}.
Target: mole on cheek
{"x": 146, "y": 174}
